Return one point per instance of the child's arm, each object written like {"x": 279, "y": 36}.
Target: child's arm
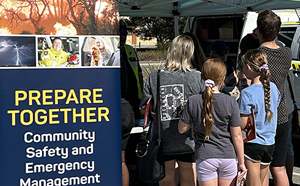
{"x": 237, "y": 138}
{"x": 182, "y": 127}
{"x": 244, "y": 118}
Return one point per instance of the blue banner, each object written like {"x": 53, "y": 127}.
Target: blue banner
{"x": 60, "y": 126}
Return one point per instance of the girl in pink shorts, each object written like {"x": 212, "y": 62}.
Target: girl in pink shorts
{"x": 216, "y": 125}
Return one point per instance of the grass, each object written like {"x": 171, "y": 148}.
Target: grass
{"x": 151, "y": 60}
{"x": 148, "y": 67}
{"x": 152, "y": 56}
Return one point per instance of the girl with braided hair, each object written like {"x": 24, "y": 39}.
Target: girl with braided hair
{"x": 216, "y": 124}
{"x": 263, "y": 97}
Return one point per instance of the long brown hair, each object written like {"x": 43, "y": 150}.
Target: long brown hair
{"x": 255, "y": 59}
{"x": 199, "y": 56}
{"x": 213, "y": 69}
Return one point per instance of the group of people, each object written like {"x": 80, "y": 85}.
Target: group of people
{"x": 204, "y": 143}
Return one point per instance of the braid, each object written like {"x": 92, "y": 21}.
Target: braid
{"x": 207, "y": 111}
{"x": 256, "y": 59}
{"x": 265, "y": 79}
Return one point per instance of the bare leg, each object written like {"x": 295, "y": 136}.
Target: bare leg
{"x": 177, "y": 174}
{"x": 280, "y": 176}
{"x": 266, "y": 179}
{"x": 253, "y": 174}
{"x": 169, "y": 179}
{"x": 289, "y": 164}
{"x": 213, "y": 182}
{"x": 227, "y": 182}
{"x": 188, "y": 175}
{"x": 125, "y": 173}
{"x": 264, "y": 172}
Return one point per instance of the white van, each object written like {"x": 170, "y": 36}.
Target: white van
{"x": 231, "y": 28}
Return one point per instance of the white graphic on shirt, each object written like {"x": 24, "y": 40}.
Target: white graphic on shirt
{"x": 171, "y": 98}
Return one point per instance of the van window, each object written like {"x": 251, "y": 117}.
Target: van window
{"x": 286, "y": 35}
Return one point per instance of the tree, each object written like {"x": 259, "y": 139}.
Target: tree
{"x": 40, "y": 30}
{"x": 155, "y": 27}
{"x": 87, "y": 16}
{"x": 25, "y": 11}
{"x": 25, "y": 32}
{"x": 87, "y": 20}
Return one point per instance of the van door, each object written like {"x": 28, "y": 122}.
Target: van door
{"x": 290, "y": 36}
{"x": 218, "y": 27}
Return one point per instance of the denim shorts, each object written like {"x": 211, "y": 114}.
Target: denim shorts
{"x": 212, "y": 168}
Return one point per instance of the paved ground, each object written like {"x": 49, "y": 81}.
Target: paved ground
{"x": 296, "y": 171}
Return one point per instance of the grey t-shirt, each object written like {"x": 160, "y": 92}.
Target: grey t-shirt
{"x": 225, "y": 115}
{"x": 175, "y": 88}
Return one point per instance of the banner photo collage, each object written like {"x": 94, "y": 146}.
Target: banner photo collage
{"x": 57, "y": 51}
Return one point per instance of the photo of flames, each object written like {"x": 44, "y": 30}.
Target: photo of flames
{"x": 59, "y": 17}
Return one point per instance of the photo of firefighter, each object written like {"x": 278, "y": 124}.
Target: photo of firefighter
{"x": 54, "y": 51}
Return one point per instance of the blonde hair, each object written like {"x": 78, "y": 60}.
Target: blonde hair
{"x": 180, "y": 53}
{"x": 255, "y": 59}
{"x": 215, "y": 70}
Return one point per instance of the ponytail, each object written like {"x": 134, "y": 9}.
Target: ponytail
{"x": 207, "y": 109}
{"x": 213, "y": 72}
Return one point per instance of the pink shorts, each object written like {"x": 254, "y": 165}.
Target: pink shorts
{"x": 212, "y": 168}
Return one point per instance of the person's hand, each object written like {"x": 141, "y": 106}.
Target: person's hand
{"x": 231, "y": 79}
{"x": 63, "y": 64}
{"x": 241, "y": 171}
{"x": 54, "y": 63}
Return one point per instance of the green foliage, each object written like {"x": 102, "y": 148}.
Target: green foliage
{"x": 147, "y": 68}
{"x": 151, "y": 60}
{"x": 163, "y": 46}
{"x": 25, "y": 32}
{"x": 156, "y": 27}
{"x": 152, "y": 56}
{"x": 40, "y": 30}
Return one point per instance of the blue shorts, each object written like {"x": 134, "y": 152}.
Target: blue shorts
{"x": 212, "y": 168}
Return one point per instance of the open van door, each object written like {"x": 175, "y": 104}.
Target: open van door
{"x": 229, "y": 28}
